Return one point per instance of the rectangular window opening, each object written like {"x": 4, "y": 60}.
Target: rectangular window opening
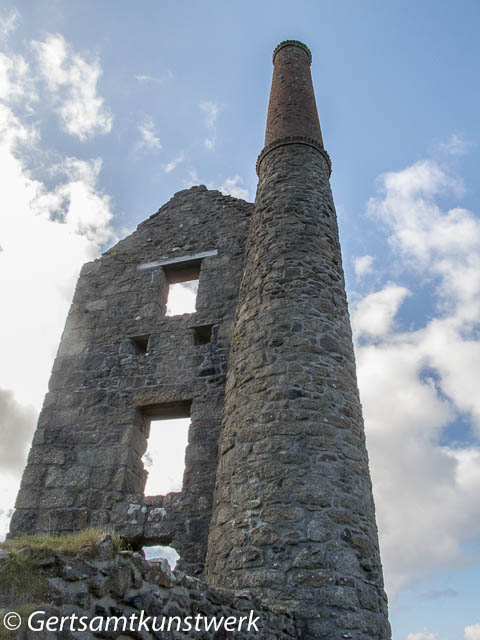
{"x": 203, "y": 334}
{"x": 164, "y": 459}
{"x": 183, "y": 287}
{"x": 140, "y": 343}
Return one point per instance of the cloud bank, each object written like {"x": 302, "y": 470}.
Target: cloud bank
{"x": 47, "y": 231}
{"x": 472, "y": 632}
{"x": 416, "y": 384}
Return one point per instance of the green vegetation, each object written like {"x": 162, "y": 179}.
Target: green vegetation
{"x": 22, "y": 583}
{"x": 83, "y": 542}
{"x": 19, "y": 578}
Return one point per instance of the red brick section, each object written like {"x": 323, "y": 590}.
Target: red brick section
{"x": 292, "y": 110}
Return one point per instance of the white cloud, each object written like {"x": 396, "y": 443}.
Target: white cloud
{"x": 193, "y": 179}
{"x": 46, "y": 236}
{"x": 170, "y": 166}
{"x": 232, "y": 187}
{"x": 72, "y": 82}
{"x": 374, "y": 314}
{"x": 46, "y": 233}
{"x": 423, "y": 635}
{"x": 472, "y": 632}
{"x": 363, "y": 265}
{"x": 415, "y": 383}
{"x": 420, "y": 230}
{"x": 168, "y": 75}
{"x": 211, "y": 110}
{"x": 9, "y": 23}
{"x": 455, "y": 145}
{"x": 148, "y": 135}
{"x": 8, "y": 492}
{"x": 16, "y": 82}
{"x": 16, "y": 426}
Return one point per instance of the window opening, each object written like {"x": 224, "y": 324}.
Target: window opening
{"x": 164, "y": 458}
{"x": 182, "y": 298}
{"x": 203, "y": 334}
{"x": 183, "y": 286}
{"x": 162, "y": 551}
{"x": 140, "y": 343}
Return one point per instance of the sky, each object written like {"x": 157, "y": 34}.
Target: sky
{"x": 108, "y": 108}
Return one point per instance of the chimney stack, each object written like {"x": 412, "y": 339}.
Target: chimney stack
{"x": 293, "y": 515}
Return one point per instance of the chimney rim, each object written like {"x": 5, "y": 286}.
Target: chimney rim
{"x": 292, "y": 43}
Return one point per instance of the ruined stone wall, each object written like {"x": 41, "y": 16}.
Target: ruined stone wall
{"x": 95, "y": 587}
{"x": 84, "y": 466}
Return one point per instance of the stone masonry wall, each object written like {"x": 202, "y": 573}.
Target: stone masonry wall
{"x": 84, "y": 466}
{"x": 121, "y": 585}
{"x": 293, "y": 514}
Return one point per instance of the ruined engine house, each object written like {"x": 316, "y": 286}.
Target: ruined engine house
{"x": 276, "y": 493}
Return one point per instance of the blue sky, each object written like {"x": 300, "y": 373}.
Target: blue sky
{"x": 108, "y": 108}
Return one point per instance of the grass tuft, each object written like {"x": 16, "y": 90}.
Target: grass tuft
{"x": 23, "y": 585}
{"x": 85, "y": 541}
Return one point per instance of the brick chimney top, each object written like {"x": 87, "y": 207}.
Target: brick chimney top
{"x": 293, "y": 43}
{"x": 292, "y": 111}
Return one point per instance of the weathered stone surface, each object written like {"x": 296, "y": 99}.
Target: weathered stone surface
{"x": 160, "y": 573}
{"x": 76, "y": 569}
{"x": 292, "y": 363}
{"x": 161, "y": 593}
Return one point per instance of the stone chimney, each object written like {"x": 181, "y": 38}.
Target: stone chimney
{"x": 293, "y": 514}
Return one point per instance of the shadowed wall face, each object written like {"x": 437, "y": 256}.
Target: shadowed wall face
{"x": 122, "y": 363}
{"x": 293, "y": 515}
